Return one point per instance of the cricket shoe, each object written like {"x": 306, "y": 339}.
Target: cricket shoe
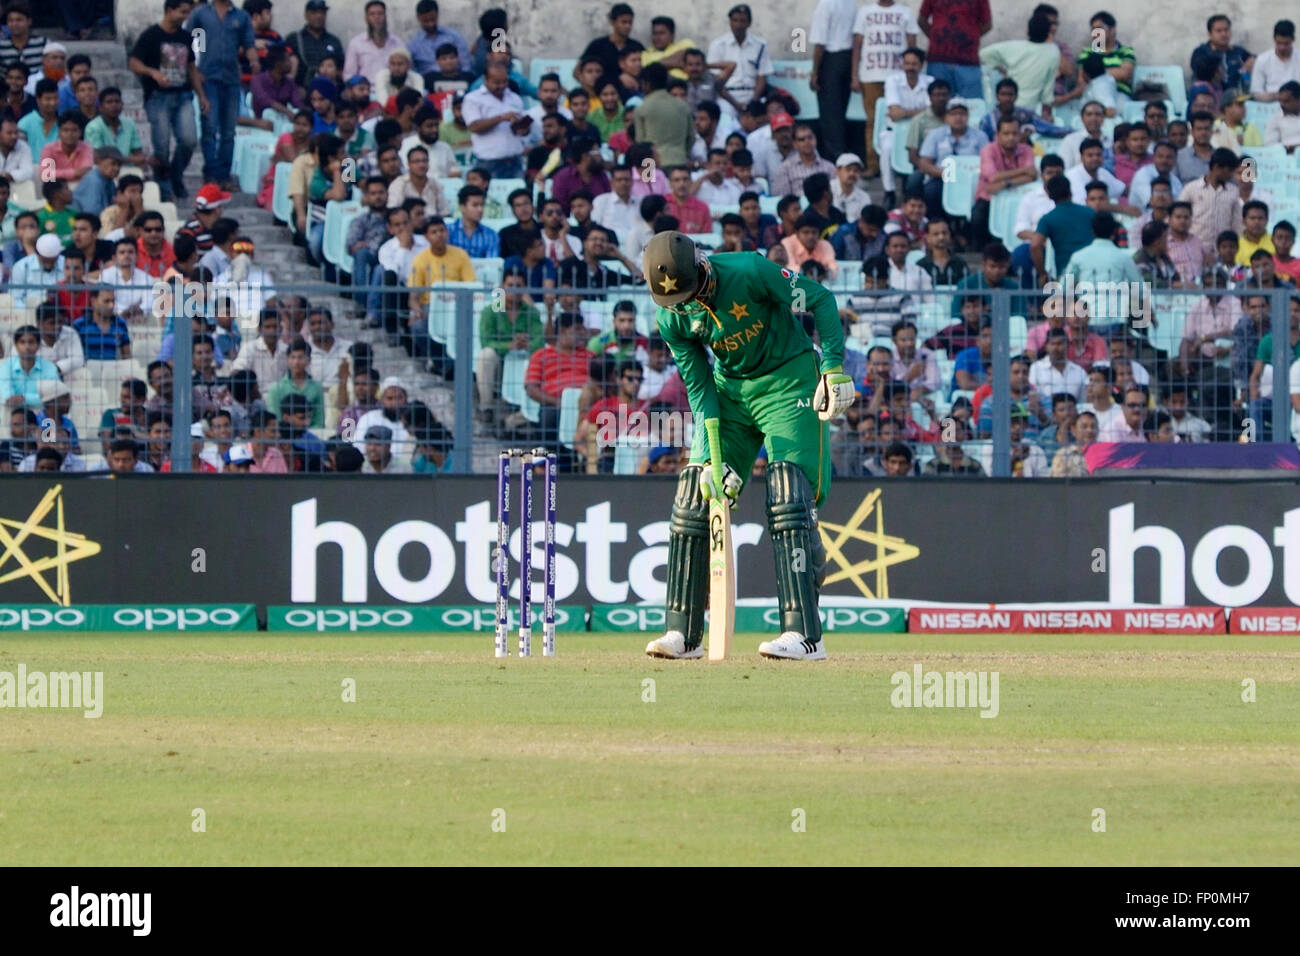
{"x": 673, "y": 646}
{"x": 791, "y": 646}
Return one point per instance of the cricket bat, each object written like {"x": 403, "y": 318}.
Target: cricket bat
{"x": 722, "y": 571}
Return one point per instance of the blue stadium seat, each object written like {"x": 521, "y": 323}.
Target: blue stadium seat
{"x": 1002, "y": 213}
{"x": 334, "y": 245}
{"x": 476, "y": 337}
{"x": 513, "y": 370}
{"x": 850, "y": 275}
{"x": 1259, "y": 114}
{"x": 541, "y": 65}
{"x": 499, "y": 189}
{"x": 880, "y": 121}
{"x": 1172, "y": 77}
{"x": 792, "y": 75}
{"x": 899, "y": 159}
{"x": 252, "y": 159}
{"x": 959, "y": 190}
{"x": 568, "y": 423}
{"x": 488, "y": 271}
{"x": 628, "y": 454}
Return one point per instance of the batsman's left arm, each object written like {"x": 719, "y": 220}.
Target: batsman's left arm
{"x": 797, "y": 291}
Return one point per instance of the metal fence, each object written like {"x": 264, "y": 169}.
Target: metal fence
{"x": 1193, "y": 352}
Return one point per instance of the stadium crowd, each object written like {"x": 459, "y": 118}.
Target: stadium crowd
{"x": 1012, "y": 165}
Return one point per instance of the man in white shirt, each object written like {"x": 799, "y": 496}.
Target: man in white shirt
{"x": 845, "y": 194}
{"x": 133, "y": 302}
{"x": 617, "y": 210}
{"x": 907, "y": 93}
{"x": 1164, "y": 159}
{"x": 442, "y": 160}
{"x": 392, "y": 398}
{"x": 496, "y": 120}
{"x": 712, "y": 186}
{"x": 1090, "y": 168}
{"x": 752, "y": 59}
{"x": 1284, "y": 128}
{"x": 831, "y": 36}
{"x": 267, "y": 356}
{"x": 328, "y": 352}
{"x": 549, "y": 94}
{"x": 1277, "y": 66}
{"x": 712, "y": 127}
{"x": 15, "y": 154}
{"x": 1093, "y": 116}
{"x": 558, "y": 244}
{"x": 1054, "y": 372}
{"x": 1129, "y": 427}
{"x": 904, "y": 275}
{"x": 397, "y": 253}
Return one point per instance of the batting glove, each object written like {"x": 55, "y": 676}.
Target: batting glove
{"x": 835, "y": 393}
{"x": 731, "y": 483}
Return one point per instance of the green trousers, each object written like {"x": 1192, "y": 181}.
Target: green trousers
{"x": 774, "y": 411}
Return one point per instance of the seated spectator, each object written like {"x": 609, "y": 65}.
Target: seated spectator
{"x": 588, "y": 272}
{"x": 273, "y": 87}
{"x": 393, "y": 400}
{"x": 17, "y": 102}
{"x": 56, "y": 215}
{"x": 128, "y": 419}
{"x": 71, "y": 297}
{"x": 128, "y": 203}
{"x": 326, "y": 184}
{"x": 917, "y": 368}
{"x": 692, "y": 215}
{"x": 468, "y": 232}
{"x": 971, "y": 366}
{"x": 72, "y": 156}
{"x": 379, "y": 453}
{"x": 1262, "y": 273}
{"x": 450, "y": 74}
{"x": 134, "y": 296}
{"x": 516, "y": 327}
{"x": 1128, "y": 427}
{"x": 1186, "y": 426}
{"x": 1152, "y": 260}
{"x": 1284, "y": 128}
{"x": 1022, "y": 393}
{"x": 396, "y": 256}
{"x": 16, "y": 161}
{"x": 807, "y": 243}
{"x": 1091, "y": 169}
{"x": 1054, "y": 372}
{"x": 41, "y": 126}
{"x": 1028, "y": 459}
{"x": 297, "y": 380}
{"x": 622, "y": 339}
{"x": 995, "y": 263}
{"x": 1004, "y": 163}
{"x": 97, "y": 188}
{"x": 910, "y": 220}
{"x": 60, "y": 344}
{"x": 103, "y": 332}
{"x": 939, "y": 263}
{"x": 864, "y": 240}
{"x": 554, "y": 368}
{"x": 442, "y": 159}
{"x": 418, "y": 184}
{"x": 955, "y": 138}
{"x": 1085, "y": 347}
{"x": 1254, "y": 232}
{"x": 1060, "y": 433}
{"x": 963, "y": 334}
{"x": 35, "y": 273}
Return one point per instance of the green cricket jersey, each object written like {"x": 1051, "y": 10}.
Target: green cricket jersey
{"x": 749, "y": 325}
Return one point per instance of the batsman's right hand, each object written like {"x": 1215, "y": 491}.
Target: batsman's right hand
{"x": 731, "y": 483}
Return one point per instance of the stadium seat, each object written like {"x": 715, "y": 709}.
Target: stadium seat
{"x": 768, "y": 204}
{"x": 1172, "y": 77}
{"x": 850, "y": 275}
{"x": 881, "y": 120}
{"x": 499, "y": 189}
{"x": 488, "y": 271}
{"x": 899, "y": 158}
{"x": 1270, "y": 160}
{"x": 1050, "y": 145}
{"x": 1002, "y": 212}
{"x": 977, "y": 108}
{"x": 959, "y": 192}
{"x": 513, "y": 370}
{"x": 792, "y": 75}
{"x": 24, "y": 194}
{"x": 1019, "y": 333}
{"x": 628, "y": 454}
{"x": 541, "y": 65}
{"x": 914, "y": 256}
{"x": 476, "y": 338}
{"x": 568, "y": 423}
{"x": 442, "y": 311}
{"x": 252, "y": 158}
{"x": 281, "y": 204}
{"x": 334, "y": 246}
{"x": 451, "y": 185}
{"x": 1259, "y": 114}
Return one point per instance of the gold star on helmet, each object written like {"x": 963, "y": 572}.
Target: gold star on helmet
{"x": 669, "y": 284}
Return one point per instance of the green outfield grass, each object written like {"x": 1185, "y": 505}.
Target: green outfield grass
{"x": 253, "y": 730}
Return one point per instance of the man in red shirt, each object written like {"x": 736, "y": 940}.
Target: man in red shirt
{"x": 1004, "y": 163}
{"x": 610, "y": 418}
{"x": 153, "y": 252}
{"x": 554, "y": 368}
{"x": 692, "y": 215}
{"x": 954, "y": 28}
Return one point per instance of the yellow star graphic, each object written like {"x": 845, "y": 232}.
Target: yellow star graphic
{"x": 738, "y": 311}
{"x": 889, "y": 549}
{"x": 68, "y": 547}
{"x": 669, "y": 284}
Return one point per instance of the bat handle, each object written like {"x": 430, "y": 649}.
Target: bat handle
{"x": 711, "y": 429}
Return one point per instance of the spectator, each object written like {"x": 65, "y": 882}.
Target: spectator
{"x": 1194, "y": 158}
{"x": 1163, "y": 160}
{"x": 1060, "y": 433}
{"x": 68, "y": 305}
{"x": 1211, "y": 319}
{"x": 1091, "y": 169}
{"x": 939, "y": 263}
{"x": 154, "y": 254}
{"x": 22, "y": 373}
{"x": 468, "y": 232}
{"x": 1068, "y": 227}
{"x": 864, "y": 240}
{"x": 750, "y": 53}
{"x": 956, "y": 138}
{"x": 34, "y": 273}
{"x": 111, "y": 128}
{"x": 70, "y": 155}
{"x": 1054, "y": 372}
{"x": 368, "y": 52}
{"x": 692, "y": 215}
{"x": 97, "y": 188}
{"x": 1101, "y": 261}
{"x": 17, "y": 101}
{"x": 103, "y": 332}
{"x": 915, "y": 367}
{"x": 228, "y": 31}
{"x": 584, "y": 170}
{"x": 609, "y": 49}
{"x": 1128, "y": 427}
{"x": 267, "y": 355}
{"x": 393, "y": 398}
{"x": 96, "y": 253}
{"x": 1085, "y": 348}
{"x": 1213, "y": 198}
{"x": 1093, "y": 117}
{"x": 588, "y": 272}
{"x": 1235, "y": 61}
{"x": 832, "y": 37}
{"x": 312, "y": 44}
{"x": 60, "y": 345}
{"x": 431, "y": 37}
{"x": 1004, "y": 163}
{"x": 134, "y": 296}
{"x": 663, "y": 120}
{"x": 15, "y": 155}
{"x": 1186, "y": 426}
{"x": 1119, "y": 61}
{"x": 1284, "y": 127}
{"x": 129, "y": 418}
{"x": 41, "y": 126}
{"x": 1031, "y": 64}
{"x": 297, "y": 380}
{"x": 1286, "y": 265}
{"x": 807, "y": 243}
{"x": 1153, "y": 261}
{"x": 1272, "y": 68}
{"x": 1231, "y": 131}
{"x": 804, "y": 162}
{"x": 1254, "y": 232}
{"x": 954, "y": 28}
{"x": 554, "y": 368}
{"x": 379, "y": 453}
{"x": 994, "y": 265}
{"x": 516, "y": 326}
{"x": 273, "y": 87}
{"x": 496, "y": 119}
{"x": 20, "y": 45}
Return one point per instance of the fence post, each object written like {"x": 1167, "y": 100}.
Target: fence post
{"x": 182, "y": 386}
{"x": 1001, "y": 397}
{"x": 1280, "y": 327}
{"x": 463, "y": 441}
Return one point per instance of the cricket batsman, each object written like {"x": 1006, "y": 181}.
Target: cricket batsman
{"x": 766, "y": 388}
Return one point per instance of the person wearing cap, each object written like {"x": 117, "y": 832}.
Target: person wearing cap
{"x": 19, "y": 45}
{"x": 54, "y": 66}
{"x": 845, "y": 194}
{"x": 23, "y": 371}
{"x": 399, "y": 74}
{"x": 393, "y": 399}
{"x": 1231, "y": 131}
{"x": 313, "y": 43}
{"x": 208, "y": 204}
{"x": 767, "y": 387}
{"x": 237, "y": 460}
{"x": 367, "y": 53}
{"x": 378, "y": 449}
{"x": 97, "y": 188}
{"x": 955, "y": 138}
{"x": 744, "y": 58}
{"x": 38, "y": 271}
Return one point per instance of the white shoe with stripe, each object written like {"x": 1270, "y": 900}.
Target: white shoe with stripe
{"x": 673, "y": 646}
{"x": 791, "y": 646}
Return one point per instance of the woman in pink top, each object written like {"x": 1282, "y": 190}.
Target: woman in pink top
{"x": 73, "y": 157}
